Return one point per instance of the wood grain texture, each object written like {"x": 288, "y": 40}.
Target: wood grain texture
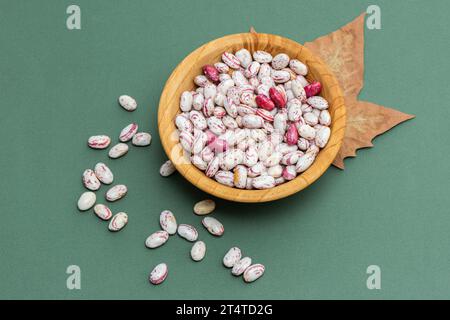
{"x": 182, "y": 79}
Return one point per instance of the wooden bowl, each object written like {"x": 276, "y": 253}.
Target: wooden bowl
{"x": 182, "y": 79}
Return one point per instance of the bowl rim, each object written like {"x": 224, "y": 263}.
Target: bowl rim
{"x": 303, "y": 180}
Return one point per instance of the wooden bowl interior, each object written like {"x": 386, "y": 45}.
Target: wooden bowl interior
{"x": 182, "y": 80}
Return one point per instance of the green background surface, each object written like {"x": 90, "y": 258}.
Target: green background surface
{"x": 58, "y": 87}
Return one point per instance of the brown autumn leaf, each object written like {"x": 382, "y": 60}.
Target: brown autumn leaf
{"x": 343, "y": 52}
{"x": 365, "y": 121}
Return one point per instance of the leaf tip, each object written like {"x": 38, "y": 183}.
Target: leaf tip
{"x": 339, "y": 163}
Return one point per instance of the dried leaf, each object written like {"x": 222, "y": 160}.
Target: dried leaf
{"x": 343, "y": 52}
{"x": 365, "y": 121}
